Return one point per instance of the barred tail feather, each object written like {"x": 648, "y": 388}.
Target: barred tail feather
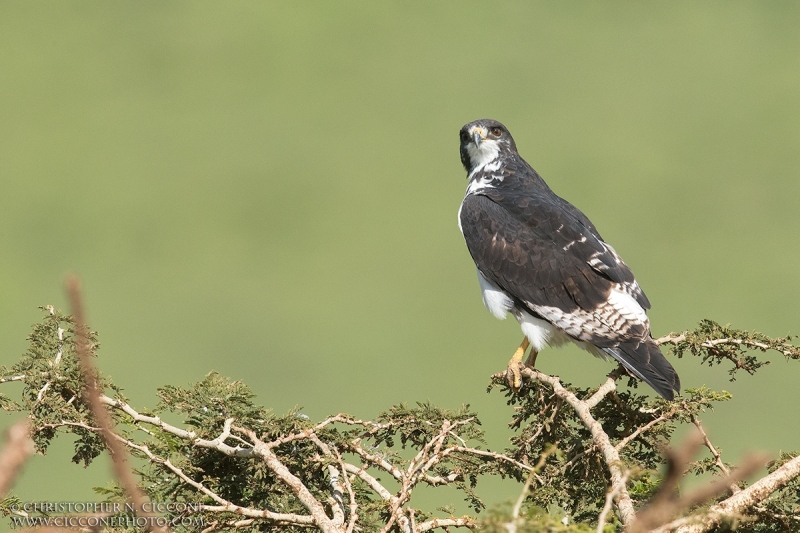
{"x": 644, "y": 360}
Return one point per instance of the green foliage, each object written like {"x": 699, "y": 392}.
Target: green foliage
{"x": 403, "y": 447}
{"x": 715, "y": 344}
{"x": 7, "y": 503}
{"x": 576, "y": 478}
{"x": 53, "y": 385}
{"x": 535, "y": 520}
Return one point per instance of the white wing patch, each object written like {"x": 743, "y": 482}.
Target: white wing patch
{"x": 540, "y": 333}
{"x": 616, "y": 318}
{"x": 627, "y": 306}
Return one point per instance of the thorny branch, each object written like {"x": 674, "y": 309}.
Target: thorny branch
{"x": 352, "y": 461}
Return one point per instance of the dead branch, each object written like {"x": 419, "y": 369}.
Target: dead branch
{"x": 737, "y": 503}
{"x": 18, "y": 448}
{"x": 666, "y": 503}
{"x": 122, "y": 469}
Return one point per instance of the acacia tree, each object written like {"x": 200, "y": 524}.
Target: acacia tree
{"x": 587, "y": 459}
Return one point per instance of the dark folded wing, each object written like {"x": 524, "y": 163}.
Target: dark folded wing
{"x": 546, "y": 257}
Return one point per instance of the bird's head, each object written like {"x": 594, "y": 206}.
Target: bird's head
{"x": 482, "y": 141}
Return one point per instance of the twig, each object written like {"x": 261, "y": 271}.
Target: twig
{"x": 18, "y": 448}
{"x": 485, "y": 453}
{"x": 737, "y": 503}
{"x": 665, "y": 504}
{"x": 601, "y": 520}
{"x": 666, "y": 416}
{"x": 717, "y": 457}
{"x": 119, "y": 460}
{"x": 712, "y": 343}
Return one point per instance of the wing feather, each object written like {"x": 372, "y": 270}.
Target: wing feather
{"x": 542, "y": 255}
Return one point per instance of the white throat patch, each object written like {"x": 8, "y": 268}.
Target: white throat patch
{"x": 482, "y": 155}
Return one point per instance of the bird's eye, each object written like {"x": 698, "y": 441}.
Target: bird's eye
{"x": 497, "y": 132}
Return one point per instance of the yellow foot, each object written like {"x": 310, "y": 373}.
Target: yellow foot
{"x": 513, "y": 374}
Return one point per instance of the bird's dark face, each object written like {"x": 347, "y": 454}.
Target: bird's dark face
{"x": 482, "y": 141}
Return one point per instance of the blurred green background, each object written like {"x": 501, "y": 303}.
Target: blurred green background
{"x": 270, "y": 190}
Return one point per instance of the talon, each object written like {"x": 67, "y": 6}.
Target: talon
{"x": 514, "y": 376}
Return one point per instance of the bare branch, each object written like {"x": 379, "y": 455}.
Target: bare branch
{"x": 612, "y": 492}
{"x": 18, "y": 448}
{"x": 373, "y": 483}
{"x": 609, "y": 385}
{"x": 215, "y": 444}
{"x": 737, "y": 503}
{"x": 122, "y": 469}
{"x": 445, "y": 523}
{"x": 665, "y": 504}
{"x": 376, "y": 460}
{"x": 610, "y": 454}
{"x": 642, "y": 429}
{"x": 734, "y": 488}
{"x": 302, "y": 493}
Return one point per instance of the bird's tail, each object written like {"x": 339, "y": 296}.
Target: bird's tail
{"x": 644, "y": 360}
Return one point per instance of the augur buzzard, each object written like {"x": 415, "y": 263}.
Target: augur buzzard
{"x": 540, "y": 259}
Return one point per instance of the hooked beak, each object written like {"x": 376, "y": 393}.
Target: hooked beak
{"x": 478, "y": 135}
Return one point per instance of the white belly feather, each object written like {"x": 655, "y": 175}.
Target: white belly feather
{"x": 539, "y": 332}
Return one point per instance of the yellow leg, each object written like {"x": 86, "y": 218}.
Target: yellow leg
{"x": 531, "y": 361}
{"x": 513, "y": 375}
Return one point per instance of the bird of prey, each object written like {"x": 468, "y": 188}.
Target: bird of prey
{"x": 542, "y": 260}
